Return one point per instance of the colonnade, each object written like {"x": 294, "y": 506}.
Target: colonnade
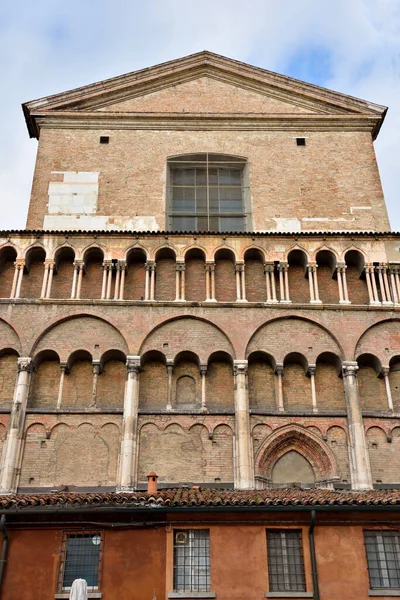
{"x": 243, "y": 453}
{"x": 382, "y": 281}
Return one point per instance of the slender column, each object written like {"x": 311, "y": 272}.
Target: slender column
{"x": 177, "y": 283}
{"x": 281, "y": 286}
{"x": 242, "y": 421}
{"x": 385, "y": 372}
{"x": 243, "y": 282}
{"x": 183, "y": 282}
{"x": 15, "y": 433}
{"x": 21, "y": 265}
{"x": 170, "y": 371}
{"x": 238, "y": 292}
{"x": 80, "y": 276}
{"x": 104, "y": 282}
{"x": 122, "y": 268}
{"x": 370, "y": 277}
{"x": 397, "y": 278}
{"x": 117, "y": 281}
{"x": 268, "y": 282}
{"x": 311, "y": 283}
{"x": 279, "y": 374}
{"x": 393, "y": 285}
{"x": 203, "y": 373}
{"x": 315, "y": 278}
{"x": 96, "y": 373}
{"x": 147, "y": 280}
{"x": 152, "y": 280}
{"x": 286, "y": 279}
{"x": 340, "y": 284}
{"x": 207, "y": 275}
{"x": 212, "y": 273}
{"x": 386, "y": 284}
{"x": 110, "y": 268}
{"x": 381, "y": 284}
{"x": 50, "y": 280}
{"x": 311, "y": 372}
{"x": 273, "y": 286}
{"x": 129, "y": 442}
{"x": 61, "y": 386}
{"x": 74, "y": 280}
{"x": 373, "y": 282}
{"x": 15, "y": 279}
{"x": 45, "y": 278}
{"x": 358, "y": 452}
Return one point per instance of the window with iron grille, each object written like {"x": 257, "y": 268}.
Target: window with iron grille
{"x": 383, "y": 556}
{"x": 285, "y": 561}
{"x": 207, "y": 192}
{"x": 192, "y": 560}
{"x": 80, "y": 558}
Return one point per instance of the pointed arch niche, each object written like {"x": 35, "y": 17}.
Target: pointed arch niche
{"x": 294, "y": 452}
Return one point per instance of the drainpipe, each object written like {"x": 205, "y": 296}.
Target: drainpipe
{"x": 3, "y": 559}
{"x": 314, "y": 571}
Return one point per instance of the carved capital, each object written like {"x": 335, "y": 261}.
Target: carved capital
{"x": 283, "y": 266}
{"x": 385, "y": 371}
{"x": 133, "y": 364}
{"x": 349, "y": 369}
{"x": 279, "y": 370}
{"x": 25, "y": 364}
{"x": 240, "y": 367}
{"x": 150, "y": 265}
{"x": 180, "y": 266}
{"x": 203, "y": 370}
{"x": 269, "y": 267}
{"x": 311, "y": 370}
{"x": 210, "y": 266}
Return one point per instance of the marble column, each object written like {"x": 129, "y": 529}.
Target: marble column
{"x": 129, "y": 441}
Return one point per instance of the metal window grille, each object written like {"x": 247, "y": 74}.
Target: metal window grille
{"x": 383, "y": 556}
{"x": 80, "y": 558}
{"x": 285, "y": 561}
{"x": 192, "y": 560}
{"x": 207, "y": 193}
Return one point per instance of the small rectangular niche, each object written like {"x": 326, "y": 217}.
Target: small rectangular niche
{"x": 301, "y": 141}
{"x": 104, "y": 139}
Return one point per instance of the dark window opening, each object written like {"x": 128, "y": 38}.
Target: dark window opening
{"x": 301, "y": 141}
{"x": 207, "y": 192}
{"x": 192, "y": 560}
{"x": 104, "y": 139}
{"x": 285, "y": 561}
{"x": 383, "y": 556}
{"x": 80, "y": 558}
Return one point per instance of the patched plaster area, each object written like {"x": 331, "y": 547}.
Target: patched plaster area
{"x": 73, "y": 205}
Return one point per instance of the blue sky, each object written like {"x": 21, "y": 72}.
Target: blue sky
{"x": 48, "y": 46}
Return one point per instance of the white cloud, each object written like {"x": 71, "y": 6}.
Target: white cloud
{"x": 48, "y": 47}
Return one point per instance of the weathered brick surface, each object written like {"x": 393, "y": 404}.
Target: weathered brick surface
{"x": 8, "y": 374}
{"x": 195, "y": 277}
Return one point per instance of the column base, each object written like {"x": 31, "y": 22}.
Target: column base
{"x": 269, "y": 302}
{"x": 375, "y": 303}
{"x": 241, "y": 300}
{"x": 344, "y": 302}
{"x": 210, "y": 300}
{"x": 386, "y": 303}
{"x": 285, "y": 301}
{"x": 315, "y": 301}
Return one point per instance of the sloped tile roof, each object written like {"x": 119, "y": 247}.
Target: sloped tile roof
{"x": 192, "y": 498}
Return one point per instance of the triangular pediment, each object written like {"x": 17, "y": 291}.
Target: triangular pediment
{"x": 200, "y": 83}
{"x": 207, "y": 94}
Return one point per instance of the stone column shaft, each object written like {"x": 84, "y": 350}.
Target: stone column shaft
{"x": 242, "y": 421}
{"x": 79, "y": 285}
{"x": 279, "y": 374}
{"x": 122, "y": 267}
{"x": 19, "y": 282}
{"x": 358, "y": 452}
{"x": 63, "y": 367}
{"x": 15, "y": 433}
{"x": 170, "y": 371}
{"x": 385, "y": 373}
{"x": 50, "y": 280}
{"x": 394, "y": 286}
{"x": 311, "y": 371}
{"x": 129, "y": 442}
{"x": 15, "y": 279}
{"x": 311, "y": 284}
{"x": 203, "y": 373}
{"x": 117, "y": 282}
{"x": 45, "y": 277}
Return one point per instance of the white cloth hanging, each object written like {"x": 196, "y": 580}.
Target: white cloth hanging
{"x": 78, "y": 590}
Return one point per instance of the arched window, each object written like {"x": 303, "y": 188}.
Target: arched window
{"x": 207, "y": 192}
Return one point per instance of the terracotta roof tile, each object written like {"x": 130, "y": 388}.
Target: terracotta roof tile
{"x": 190, "y": 498}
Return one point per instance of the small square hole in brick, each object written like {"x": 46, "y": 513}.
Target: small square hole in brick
{"x": 301, "y": 141}
{"x": 104, "y": 139}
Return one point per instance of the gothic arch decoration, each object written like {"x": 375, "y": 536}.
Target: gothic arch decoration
{"x": 303, "y": 441}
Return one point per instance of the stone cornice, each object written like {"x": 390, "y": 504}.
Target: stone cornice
{"x": 206, "y": 121}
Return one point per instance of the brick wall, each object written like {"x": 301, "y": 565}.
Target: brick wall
{"x": 329, "y": 388}
{"x": 219, "y": 385}
{"x": 8, "y": 374}
{"x": 372, "y": 390}
{"x": 111, "y": 385}
{"x": 195, "y": 278}
{"x": 32, "y": 280}
{"x": 135, "y": 279}
{"x": 262, "y": 385}
{"x": 256, "y": 290}
{"x": 78, "y": 385}
{"x": 165, "y": 278}
{"x": 153, "y": 386}
{"x": 45, "y": 385}
{"x": 62, "y": 279}
{"x": 296, "y": 388}
{"x": 225, "y": 278}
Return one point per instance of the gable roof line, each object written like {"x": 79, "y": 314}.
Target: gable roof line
{"x": 205, "y": 63}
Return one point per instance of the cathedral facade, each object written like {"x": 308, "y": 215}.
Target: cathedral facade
{"x": 205, "y": 301}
